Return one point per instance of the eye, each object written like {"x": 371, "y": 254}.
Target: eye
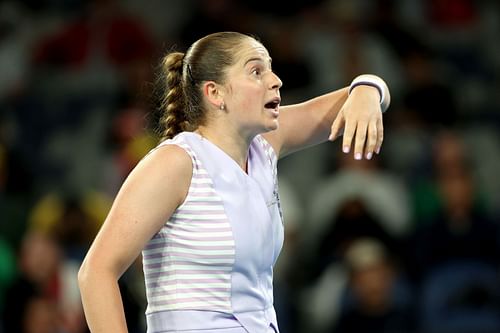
{"x": 256, "y": 71}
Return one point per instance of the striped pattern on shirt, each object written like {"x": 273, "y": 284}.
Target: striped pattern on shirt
{"x": 188, "y": 263}
{"x": 273, "y": 160}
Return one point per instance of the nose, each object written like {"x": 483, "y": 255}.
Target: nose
{"x": 275, "y": 81}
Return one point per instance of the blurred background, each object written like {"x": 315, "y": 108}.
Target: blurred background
{"x": 406, "y": 242}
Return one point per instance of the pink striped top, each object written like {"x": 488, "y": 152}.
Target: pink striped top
{"x": 188, "y": 263}
{"x": 210, "y": 266}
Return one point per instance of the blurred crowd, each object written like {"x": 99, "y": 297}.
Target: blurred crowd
{"x": 406, "y": 242}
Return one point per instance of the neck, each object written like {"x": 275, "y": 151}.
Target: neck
{"x": 231, "y": 142}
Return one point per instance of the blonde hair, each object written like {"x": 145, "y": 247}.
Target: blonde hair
{"x": 184, "y": 74}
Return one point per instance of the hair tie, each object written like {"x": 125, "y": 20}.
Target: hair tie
{"x": 190, "y": 74}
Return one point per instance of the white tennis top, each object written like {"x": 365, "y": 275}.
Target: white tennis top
{"x": 210, "y": 266}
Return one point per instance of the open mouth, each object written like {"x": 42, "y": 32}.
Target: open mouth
{"x": 273, "y": 104}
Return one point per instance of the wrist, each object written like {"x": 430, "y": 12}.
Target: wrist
{"x": 376, "y": 82}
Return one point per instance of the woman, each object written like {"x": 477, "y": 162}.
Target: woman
{"x": 203, "y": 206}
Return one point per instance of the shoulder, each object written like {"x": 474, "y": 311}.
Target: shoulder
{"x": 168, "y": 168}
{"x": 167, "y": 158}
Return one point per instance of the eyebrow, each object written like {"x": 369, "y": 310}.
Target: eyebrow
{"x": 258, "y": 59}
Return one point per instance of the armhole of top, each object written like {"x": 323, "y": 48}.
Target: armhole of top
{"x": 184, "y": 146}
{"x": 191, "y": 154}
{"x": 269, "y": 150}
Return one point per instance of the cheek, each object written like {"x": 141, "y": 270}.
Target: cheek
{"x": 247, "y": 96}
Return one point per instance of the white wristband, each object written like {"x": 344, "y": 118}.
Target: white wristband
{"x": 376, "y": 82}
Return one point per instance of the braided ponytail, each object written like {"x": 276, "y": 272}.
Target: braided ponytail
{"x": 173, "y": 103}
{"x": 182, "y": 76}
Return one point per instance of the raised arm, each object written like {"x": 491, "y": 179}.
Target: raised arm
{"x": 355, "y": 114}
{"x": 149, "y": 196}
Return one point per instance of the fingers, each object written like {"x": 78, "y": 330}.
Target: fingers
{"x": 380, "y": 135}
{"x": 337, "y": 127}
{"x": 360, "y": 140}
{"x": 371, "y": 142}
{"x": 349, "y": 130}
{"x": 368, "y": 138}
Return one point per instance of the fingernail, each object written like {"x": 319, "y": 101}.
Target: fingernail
{"x": 330, "y": 138}
{"x": 369, "y": 156}
{"x": 378, "y": 150}
{"x": 357, "y": 156}
{"x": 345, "y": 149}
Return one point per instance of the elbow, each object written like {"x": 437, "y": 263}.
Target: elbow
{"x": 83, "y": 275}
{"x": 87, "y": 273}
{"x": 94, "y": 271}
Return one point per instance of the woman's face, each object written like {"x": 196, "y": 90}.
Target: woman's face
{"x": 252, "y": 94}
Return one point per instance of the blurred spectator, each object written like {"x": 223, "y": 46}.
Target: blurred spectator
{"x": 427, "y": 103}
{"x": 41, "y": 316}
{"x": 458, "y": 31}
{"x": 352, "y": 221}
{"x": 455, "y": 251}
{"x": 14, "y": 46}
{"x": 105, "y": 31}
{"x": 425, "y": 86}
{"x": 448, "y": 157}
{"x": 85, "y": 64}
{"x": 482, "y": 148}
{"x": 128, "y": 142}
{"x": 327, "y": 273}
{"x": 288, "y": 271}
{"x": 7, "y": 271}
{"x": 389, "y": 23}
{"x": 45, "y": 289}
{"x": 459, "y": 231}
{"x": 358, "y": 199}
{"x": 462, "y": 296}
{"x": 72, "y": 222}
{"x": 374, "y": 301}
{"x": 74, "y": 230}
{"x": 38, "y": 264}
{"x": 336, "y": 40}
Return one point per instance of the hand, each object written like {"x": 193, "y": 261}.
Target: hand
{"x": 361, "y": 119}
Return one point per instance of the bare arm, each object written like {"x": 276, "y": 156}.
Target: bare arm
{"x": 357, "y": 115}
{"x": 149, "y": 196}
{"x": 307, "y": 123}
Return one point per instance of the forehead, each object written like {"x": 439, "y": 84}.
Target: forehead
{"x": 251, "y": 49}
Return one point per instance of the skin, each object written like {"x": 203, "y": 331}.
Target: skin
{"x": 136, "y": 214}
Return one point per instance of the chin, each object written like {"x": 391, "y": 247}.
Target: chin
{"x": 274, "y": 125}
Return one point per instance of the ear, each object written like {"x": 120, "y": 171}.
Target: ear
{"x": 213, "y": 94}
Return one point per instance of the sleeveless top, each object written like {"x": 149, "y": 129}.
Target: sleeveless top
{"x": 211, "y": 264}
